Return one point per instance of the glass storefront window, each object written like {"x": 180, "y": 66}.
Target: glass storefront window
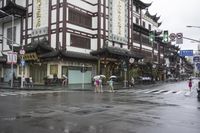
{"x": 53, "y": 69}
{"x": 20, "y": 71}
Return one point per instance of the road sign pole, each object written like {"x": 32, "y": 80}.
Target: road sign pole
{"x": 22, "y": 73}
{"x": 83, "y": 76}
{"x": 22, "y": 52}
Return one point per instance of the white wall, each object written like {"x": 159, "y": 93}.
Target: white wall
{"x": 17, "y": 24}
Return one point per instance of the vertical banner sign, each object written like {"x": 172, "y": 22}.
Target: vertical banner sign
{"x": 12, "y": 57}
{"x": 40, "y": 13}
{"x": 118, "y": 21}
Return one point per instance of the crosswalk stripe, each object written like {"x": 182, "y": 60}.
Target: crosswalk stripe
{"x": 2, "y": 95}
{"x": 141, "y": 91}
{"x": 158, "y": 91}
{"x": 168, "y": 92}
{"x": 179, "y": 92}
{"x": 151, "y": 91}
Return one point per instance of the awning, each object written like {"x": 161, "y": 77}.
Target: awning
{"x": 67, "y": 55}
{"x": 2, "y": 59}
{"x": 114, "y": 52}
{"x": 33, "y": 46}
{"x": 13, "y": 9}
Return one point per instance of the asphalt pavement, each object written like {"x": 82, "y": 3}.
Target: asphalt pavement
{"x": 158, "y": 108}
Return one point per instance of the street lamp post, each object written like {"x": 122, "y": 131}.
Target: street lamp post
{"x": 12, "y": 72}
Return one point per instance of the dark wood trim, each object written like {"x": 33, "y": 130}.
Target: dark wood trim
{"x": 53, "y": 7}
{"x": 158, "y": 45}
{"x": 2, "y": 38}
{"x": 49, "y": 22}
{"x": 32, "y": 16}
{"x": 21, "y": 32}
{"x": 152, "y": 52}
{"x": 64, "y": 45}
{"x": 2, "y": 3}
{"x": 73, "y": 13}
{"x": 26, "y": 23}
{"x": 30, "y": 4}
{"x": 90, "y": 3}
{"x": 57, "y": 23}
{"x": 131, "y": 24}
{"x": 80, "y": 33}
{"x": 128, "y": 24}
{"x": 140, "y": 32}
{"x": 104, "y": 22}
{"x": 80, "y": 25}
{"x": 99, "y": 25}
{"x": 69, "y": 5}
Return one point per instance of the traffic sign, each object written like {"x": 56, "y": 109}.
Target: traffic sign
{"x": 179, "y": 35}
{"x": 22, "y": 51}
{"x": 179, "y": 38}
{"x": 22, "y": 62}
{"x": 11, "y": 57}
{"x": 198, "y": 66}
{"x": 131, "y": 60}
{"x": 186, "y": 53}
{"x": 196, "y": 59}
{"x": 172, "y": 37}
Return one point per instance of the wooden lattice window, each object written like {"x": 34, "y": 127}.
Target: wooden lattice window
{"x": 80, "y": 18}
{"x": 80, "y": 42}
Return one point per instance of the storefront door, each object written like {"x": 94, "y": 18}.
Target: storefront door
{"x": 38, "y": 73}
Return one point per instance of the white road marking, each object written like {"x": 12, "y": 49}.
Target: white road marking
{"x": 158, "y": 91}
{"x": 179, "y": 92}
{"x": 150, "y": 91}
{"x": 168, "y": 92}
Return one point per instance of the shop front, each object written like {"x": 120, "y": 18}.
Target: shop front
{"x": 115, "y": 61}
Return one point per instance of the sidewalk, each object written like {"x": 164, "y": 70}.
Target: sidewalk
{"x": 76, "y": 87}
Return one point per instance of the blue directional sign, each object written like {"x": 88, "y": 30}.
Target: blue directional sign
{"x": 22, "y": 62}
{"x": 186, "y": 53}
{"x": 196, "y": 59}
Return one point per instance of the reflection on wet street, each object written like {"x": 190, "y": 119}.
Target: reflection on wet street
{"x": 151, "y": 110}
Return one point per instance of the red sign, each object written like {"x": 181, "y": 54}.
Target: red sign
{"x": 172, "y": 37}
{"x": 11, "y": 57}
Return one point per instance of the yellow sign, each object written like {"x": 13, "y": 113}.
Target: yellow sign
{"x": 30, "y": 56}
{"x": 38, "y": 13}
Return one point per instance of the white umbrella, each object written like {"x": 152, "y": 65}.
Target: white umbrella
{"x": 113, "y": 77}
{"x": 96, "y": 77}
{"x": 102, "y": 76}
{"x": 99, "y": 76}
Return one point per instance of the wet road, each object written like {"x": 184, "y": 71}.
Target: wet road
{"x": 162, "y": 109}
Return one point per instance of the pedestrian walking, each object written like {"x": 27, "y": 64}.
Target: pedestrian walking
{"x": 110, "y": 83}
{"x": 190, "y": 84}
{"x": 132, "y": 82}
{"x": 100, "y": 85}
{"x": 96, "y": 85}
{"x": 64, "y": 82}
{"x": 31, "y": 81}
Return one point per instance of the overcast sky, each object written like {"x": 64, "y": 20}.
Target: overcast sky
{"x": 176, "y": 15}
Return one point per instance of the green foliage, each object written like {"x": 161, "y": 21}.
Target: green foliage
{"x": 134, "y": 72}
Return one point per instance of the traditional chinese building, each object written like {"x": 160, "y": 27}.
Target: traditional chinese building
{"x": 61, "y": 36}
